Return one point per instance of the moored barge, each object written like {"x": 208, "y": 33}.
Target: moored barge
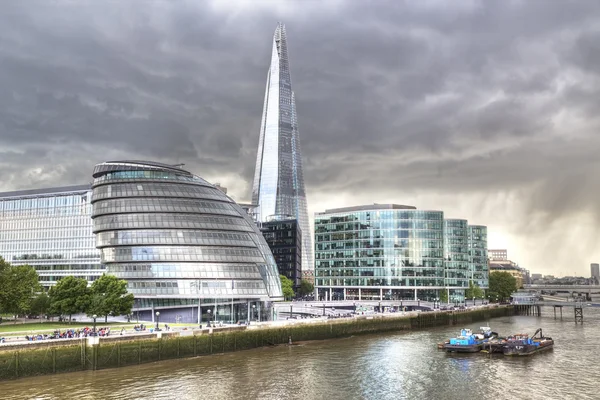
{"x": 523, "y": 345}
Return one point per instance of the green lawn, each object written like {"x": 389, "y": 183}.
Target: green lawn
{"x": 9, "y": 327}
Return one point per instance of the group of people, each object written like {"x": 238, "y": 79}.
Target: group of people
{"x": 70, "y": 334}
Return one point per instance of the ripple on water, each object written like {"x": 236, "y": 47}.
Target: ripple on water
{"x": 392, "y": 366}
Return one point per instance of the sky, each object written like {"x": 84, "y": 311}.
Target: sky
{"x": 487, "y": 110}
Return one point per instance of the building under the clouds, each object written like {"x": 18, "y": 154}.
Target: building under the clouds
{"x": 185, "y": 248}
{"x": 389, "y": 251}
{"x": 51, "y": 230}
{"x": 284, "y": 238}
{"x": 278, "y": 188}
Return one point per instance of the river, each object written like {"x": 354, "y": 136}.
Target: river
{"x": 387, "y": 366}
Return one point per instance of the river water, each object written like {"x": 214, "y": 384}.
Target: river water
{"x": 387, "y": 366}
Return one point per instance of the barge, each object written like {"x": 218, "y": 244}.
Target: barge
{"x": 467, "y": 341}
{"x": 523, "y": 345}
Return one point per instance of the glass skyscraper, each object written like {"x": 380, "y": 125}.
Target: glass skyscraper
{"x": 278, "y": 187}
{"x": 395, "y": 252}
{"x": 51, "y": 230}
{"x": 478, "y": 254}
{"x": 183, "y": 245}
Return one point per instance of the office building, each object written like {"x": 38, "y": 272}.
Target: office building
{"x": 396, "y": 252}
{"x": 595, "y": 270}
{"x": 285, "y": 241}
{"x": 498, "y": 255}
{"x": 457, "y": 260}
{"x": 278, "y": 187}
{"x": 51, "y": 230}
{"x": 478, "y": 255}
{"x": 186, "y": 249}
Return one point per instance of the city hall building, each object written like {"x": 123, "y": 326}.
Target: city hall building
{"x": 184, "y": 247}
{"x": 396, "y": 252}
{"x": 51, "y": 230}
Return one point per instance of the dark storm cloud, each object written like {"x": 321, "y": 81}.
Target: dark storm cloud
{"x": 486, "y": 109}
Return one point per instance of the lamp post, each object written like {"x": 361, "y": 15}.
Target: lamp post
{"x": 208, "y": 318}
{"x": 254, "y": 311}
{"x": 354, "y": 304}
{"x": 157, "y": 315}
{"x": 94, "y": 331}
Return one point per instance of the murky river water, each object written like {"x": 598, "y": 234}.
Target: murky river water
{"x": 390, "y": 366}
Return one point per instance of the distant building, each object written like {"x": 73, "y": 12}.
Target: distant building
{"x": 285, "y": 241}
{"x": 595, "y": 269}
{"x": 536, "y": 277}
{"x": 498, "y": 255}
{"x": 510, "y": 267}
{"x": 51, "y": 230}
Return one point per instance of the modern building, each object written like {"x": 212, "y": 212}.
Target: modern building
{"x": 380, "y": 251}
{"x": 51, "y": 230}
{"x": 394, "y": 252}
{"x": 498, "y": 255}
{"x": 457, "y": 259}
{"x": 478, "y": 255}
{"x": 595, "y": 270}
{"x": 186, "y": 249}
{"x": 278, "y": 187}
{"x": 285, "y": 241}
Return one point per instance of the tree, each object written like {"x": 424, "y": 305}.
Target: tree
{"x": 69, "y": 296}
{"x": 306, "y": 287}
{"x": 110, "y": 297}
{"x": 40, "y": 305}
{"x": 286, "y": 286}
{"x": 474, "y": 291}
{"x": 18, "y": 284}
{"x": 443, "y": 296}
{"x": 502, "y": 285}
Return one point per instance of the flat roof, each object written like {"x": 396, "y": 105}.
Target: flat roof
{"x": 47, "y": 191}
{"x": 369, "y": 207}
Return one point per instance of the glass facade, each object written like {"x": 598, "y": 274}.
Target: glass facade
{"x": 285, "y": 240}
{"x": 456, "y": 257}
{"x": 479, "y": 255}
{"x": 278, "y": 187}
{"x": 183, "y": 246}
{"x": 393, "y": 252}
{"x": 385, "y": 252}
{"x": 51, "y": 230}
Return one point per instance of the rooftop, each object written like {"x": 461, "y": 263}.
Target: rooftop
{"x": 46, "y": 191}
{"x": 370, "y": 207}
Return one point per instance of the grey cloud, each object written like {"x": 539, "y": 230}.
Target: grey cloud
{"x": 464, "y": 103}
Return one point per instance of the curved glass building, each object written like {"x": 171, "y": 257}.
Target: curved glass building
{"x": 396, "y": 252}
{"x": 184, "y": 247}
{"x": 381, "y": 251}
{"x": 479, "y": 255}
{"x": 456, "y": 257}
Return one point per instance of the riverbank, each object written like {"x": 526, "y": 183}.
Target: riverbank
{"x": 67, "y": 355}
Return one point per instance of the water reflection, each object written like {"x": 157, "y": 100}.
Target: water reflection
{"x": 392, "y": 366}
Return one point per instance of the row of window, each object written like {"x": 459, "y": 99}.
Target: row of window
{"x": 193, "y": 206}
{"x": 154, "y": 189}
{"x": 166, "y": 253}
{"x": 169, "y": 221}
{"x": 396, "y": 253}
{"x": 187, "y": 237}
{"x": 424, "y": 281}
{"x": 400, "y": 272}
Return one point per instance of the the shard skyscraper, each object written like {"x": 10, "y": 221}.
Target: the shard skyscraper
{"x": 278, "y": 187}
